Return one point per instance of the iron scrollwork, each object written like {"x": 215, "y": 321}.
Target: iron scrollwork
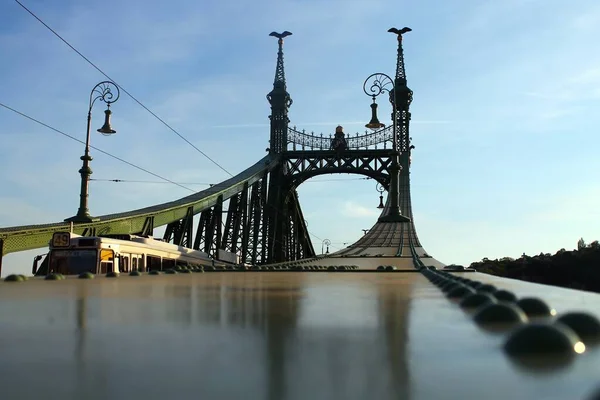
{"x": 106, "y": 91}
{"x": 314, "y": 142}
{"x": 377, "y": 84}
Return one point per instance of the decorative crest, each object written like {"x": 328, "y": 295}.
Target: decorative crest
{"x": 279, "y": 72}
{"x": 400, "y": 71}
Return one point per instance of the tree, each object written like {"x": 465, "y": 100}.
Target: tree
{"x": 581, "y": 244}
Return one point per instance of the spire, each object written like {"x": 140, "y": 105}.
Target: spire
{"x": 400, "y": 71}
{"x": 402, "y": 96}
{"x": 280, "y": 101}
{"x": 279, "y": 71}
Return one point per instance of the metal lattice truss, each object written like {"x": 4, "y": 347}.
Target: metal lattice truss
{"x": 302, "y": 165}
{"x": 311, "y": 141}
{"x": 243, "y": 198}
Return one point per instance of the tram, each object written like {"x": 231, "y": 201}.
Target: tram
{"x": 72, "y": 254}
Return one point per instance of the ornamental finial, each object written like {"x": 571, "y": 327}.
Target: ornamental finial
{"x": 279, "y": 71}
{"x": 400, "y": 71}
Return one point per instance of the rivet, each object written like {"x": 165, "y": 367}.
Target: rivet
{"x": 535, "y": 307}
{"x": 543, "y": 345}
{"x": 500, "y": 315}
{"x": 505, "y": 295}
{"x": 460, "y": 292}
{"x": 585, "y": 325}
{"x": 450, "y": 286}
{"x": 486, "y": 288}
{"x": 86, "y": 275}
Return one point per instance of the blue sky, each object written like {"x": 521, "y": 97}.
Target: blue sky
{"x": 505, "y": 106}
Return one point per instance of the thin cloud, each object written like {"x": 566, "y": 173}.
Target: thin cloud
{"x": 332, "y": 123}
{"x": 354, "y": 210}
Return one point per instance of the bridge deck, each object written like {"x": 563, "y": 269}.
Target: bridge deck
{"x": 280, "y": 335}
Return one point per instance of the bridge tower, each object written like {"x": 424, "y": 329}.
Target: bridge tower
{"x": 278, "y": 201}
{"x": 403, "y": 96}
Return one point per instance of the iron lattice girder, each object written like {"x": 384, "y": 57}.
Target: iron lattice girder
{"x": 20, "y": 238}
{"x": 301, "y": 165}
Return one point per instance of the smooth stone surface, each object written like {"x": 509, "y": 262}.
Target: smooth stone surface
{"x": 535, "y": 307}
{"x": 135, "y": 273}
{"x": 585, "y": 325}
{"x": 86, "y": 275}
{"x": 284, "y": 336}
{"x": 13, "y": 278}
{"x": 112, "y": 274}
{"x": 52, "y": 277}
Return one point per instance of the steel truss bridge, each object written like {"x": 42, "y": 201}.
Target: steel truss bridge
{"x": 412, "y": 331}
{"x": 256, "y": 214}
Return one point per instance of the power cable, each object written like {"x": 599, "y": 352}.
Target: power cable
{"x": 206, "y": 183}
{"x": 122, "y": 88}
{"x": 135, "y": 181}
{"x": 165, "y": 180}
{"x": 95, "y": 148}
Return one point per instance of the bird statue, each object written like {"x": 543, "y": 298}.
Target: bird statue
{"x": 401, "y": 31}
{"x": 280, "y": 35}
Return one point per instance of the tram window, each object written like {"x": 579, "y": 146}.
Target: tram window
{"x": 153, "y": 263}
{"x": 141, "y": 264}
{"x": 124, "y": 267}
{"x": 106, "y": 261}
{"x": 168, "y": 263}
{"x": 134, "y": 263}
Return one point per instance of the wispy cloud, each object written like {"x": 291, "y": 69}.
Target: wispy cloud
{"x": 354, "y": 210}
{"x": 298, "y": 125}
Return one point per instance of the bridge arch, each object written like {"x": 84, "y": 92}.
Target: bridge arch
{"x": 297, "y": 179}
{"x": 300, "y": 166}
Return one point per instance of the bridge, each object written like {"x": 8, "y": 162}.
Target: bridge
{"x": 380, "y": 318}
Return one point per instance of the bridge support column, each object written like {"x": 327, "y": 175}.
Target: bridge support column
{"x": 393, "y": 214}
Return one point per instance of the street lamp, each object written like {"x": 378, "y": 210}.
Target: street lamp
{"x": 107, "y": 92}
{"x": 380, "y": 189}
{"x": 326, "y": 242}
{"x": 375, "y": 85}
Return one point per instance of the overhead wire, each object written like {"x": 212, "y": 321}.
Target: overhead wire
{"x": 122, "y": 88}
{"x": 95, "y": 148}
{"x": 143, "y": 106}
{"x": 209, "y": 184}
{"x": 164, "y": 180}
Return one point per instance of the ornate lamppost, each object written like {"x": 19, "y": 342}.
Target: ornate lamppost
{"x": 380, "y": 189}
{"x": 326, "y": 242}
{"x": 375, "y": 85}
{"x": 107, "y": 92}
